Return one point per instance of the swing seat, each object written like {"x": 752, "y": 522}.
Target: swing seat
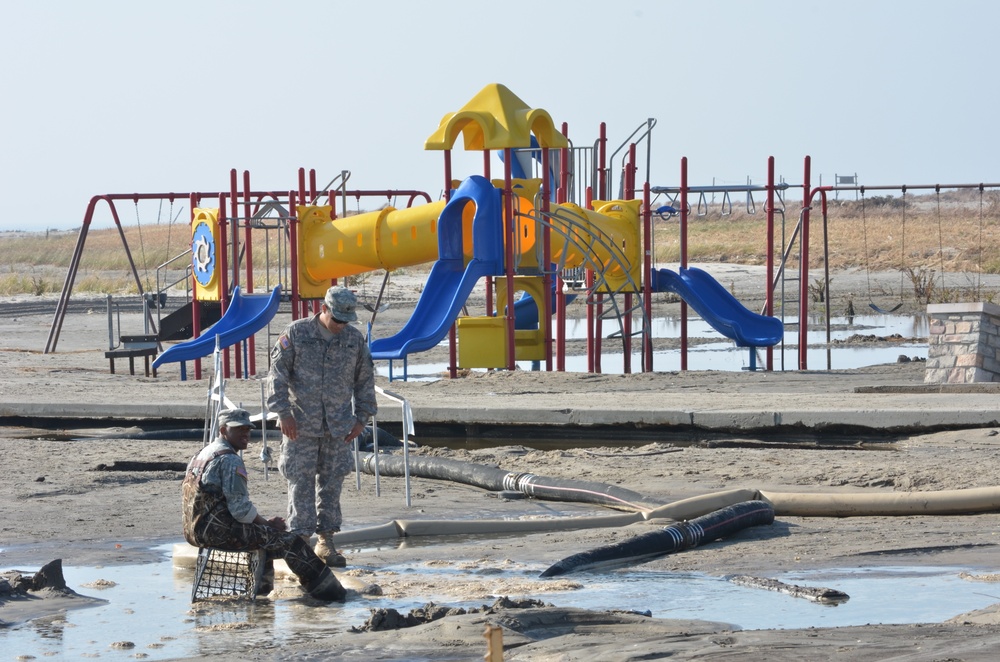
{"x": 883, "y": 311}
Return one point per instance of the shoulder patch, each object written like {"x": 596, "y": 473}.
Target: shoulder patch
{"x": 284, "y": 341}
{"x": 242, "y": 471}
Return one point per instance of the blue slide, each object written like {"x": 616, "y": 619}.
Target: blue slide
{"x": 447, "y": 289}
{"x": 521, "y": 166}
{"x": 246, "y": 315}
{"x": 526, "y": 310}
{"x": 451, "y": 281}
{"x": 718, "y": 307}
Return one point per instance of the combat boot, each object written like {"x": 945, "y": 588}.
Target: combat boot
{"x": 327, "y": 552}
{"x": 326, "y": 587}
{"x": 266, "y": 584}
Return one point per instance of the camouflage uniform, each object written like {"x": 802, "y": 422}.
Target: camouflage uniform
{"x": 314, "y": 374}
{"x": 217, "y": 512}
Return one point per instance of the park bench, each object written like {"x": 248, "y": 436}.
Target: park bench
{"x": 132, "y": 347}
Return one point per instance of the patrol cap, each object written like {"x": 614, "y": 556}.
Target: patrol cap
{"x": 235, "y": 418}
{"x": 341, "y": 302}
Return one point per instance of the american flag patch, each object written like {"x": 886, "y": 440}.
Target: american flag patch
{"x": 284, "y": 342}
{"x": 242, "y": 471}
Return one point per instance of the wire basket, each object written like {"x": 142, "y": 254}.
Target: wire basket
{"x": 231, "y": 574}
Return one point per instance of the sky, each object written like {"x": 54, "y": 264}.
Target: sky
{"x": 109, "y": 96}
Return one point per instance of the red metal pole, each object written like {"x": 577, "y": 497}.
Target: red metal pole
{"x": 595, "y": 311}
{"x": 769, "y": 290}
{"x": 489, "y": 279}
{"x": 509, "y": 239}
{"x": 564, "y": 169}
{"x": 547, "y": 286}
{"x": 598, "y": 303}
{"x": 447, "y": 174}
{"x": 248, "y": 240}
{"x": 293, "y": 239}
{"x": 630, "y": 173}
{"x": 223, "y": 252}
{"x": 804, "y": 268}
{"x": 561, "y": 309}
{"x": 234, "y": 213}
{"x": 684, "y": 257}
{"x": 302, "y": 200}
{"x": 627, "y": 330}
{"x": 452, "y": 333}
{"x": 195, "y": 201}
{"x": 248, "y": 243}
{"x": 602, "y": 170}
{"x": 647, "y": 270}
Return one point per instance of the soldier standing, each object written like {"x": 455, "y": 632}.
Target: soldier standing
{"x": 218, "y": 513}
{"x": 319, "y": 366}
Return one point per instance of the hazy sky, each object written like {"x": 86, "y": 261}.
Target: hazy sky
{"x": 136, "y": 96}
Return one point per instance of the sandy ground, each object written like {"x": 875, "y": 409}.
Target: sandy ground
{"x": 60, "y": 499}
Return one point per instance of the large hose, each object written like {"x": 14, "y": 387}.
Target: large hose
{"x": 673, "y": 538}
{"x": 497, "y": 480}
{"x": 678, "y": 510}
{"x": 944, "y": 502}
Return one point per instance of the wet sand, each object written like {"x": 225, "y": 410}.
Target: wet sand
{"x": 60, "y": 500}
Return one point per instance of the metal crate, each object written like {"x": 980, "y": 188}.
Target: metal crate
{"x": 221, "y": 573}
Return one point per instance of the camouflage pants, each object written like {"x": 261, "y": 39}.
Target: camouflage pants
{"x": 315, "y": 468}
{"x": 218, "y": 529}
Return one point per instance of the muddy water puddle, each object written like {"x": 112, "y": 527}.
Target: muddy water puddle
{"x": 148, "y": 614}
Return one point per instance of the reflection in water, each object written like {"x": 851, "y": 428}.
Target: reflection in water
{"x": 150, "y": 606}
{"x": 725, "y": 355}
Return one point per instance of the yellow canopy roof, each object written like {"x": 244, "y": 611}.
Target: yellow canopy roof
{"x": 494, "y": 119}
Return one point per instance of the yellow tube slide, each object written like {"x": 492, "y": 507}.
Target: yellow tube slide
{"x": 385, "y": 239}
{"x": 609, "y": 234}
{"x": 393, "y": 238}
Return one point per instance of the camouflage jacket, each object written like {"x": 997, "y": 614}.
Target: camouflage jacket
{"x": 215, "y": 486}
{"x": 312, "y": 378}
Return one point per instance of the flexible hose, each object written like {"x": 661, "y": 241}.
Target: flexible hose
{"x": 944, "y": 502}
{"x": 496, "y": 480}
{"x": 677, "y": 511}
{"x": 673, "y": 538}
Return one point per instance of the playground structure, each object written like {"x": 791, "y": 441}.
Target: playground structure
{"x": 553, "y": 232}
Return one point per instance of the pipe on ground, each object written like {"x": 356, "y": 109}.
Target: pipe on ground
{"x": 882, "y": 504}
{"x": 678, "y": 510}
{"x": 497, "y": 480}
{"x": 674, "y": 538}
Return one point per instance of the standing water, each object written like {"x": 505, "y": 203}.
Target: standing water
{"x": 148, "y": 614}
{"x": 709, "y": 350}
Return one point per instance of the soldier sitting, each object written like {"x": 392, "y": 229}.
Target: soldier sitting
{"x": 218, "y": 513}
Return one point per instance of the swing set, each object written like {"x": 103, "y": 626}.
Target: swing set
{"x": 227, "y": 255}
{"x": 903, "y": 263}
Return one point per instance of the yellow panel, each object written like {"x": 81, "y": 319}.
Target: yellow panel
{"x": 529, "y": 344}
{"x": 482, "y": 342}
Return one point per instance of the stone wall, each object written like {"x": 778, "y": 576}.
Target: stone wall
{"x": 963, "y": 343}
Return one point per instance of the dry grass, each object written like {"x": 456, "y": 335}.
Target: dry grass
{"x": 959, "y": 231}
{"x": 37, "y": 263}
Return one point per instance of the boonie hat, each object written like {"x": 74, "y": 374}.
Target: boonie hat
{"x": 341, "y": 302}
{"x": 235, "y": 418}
